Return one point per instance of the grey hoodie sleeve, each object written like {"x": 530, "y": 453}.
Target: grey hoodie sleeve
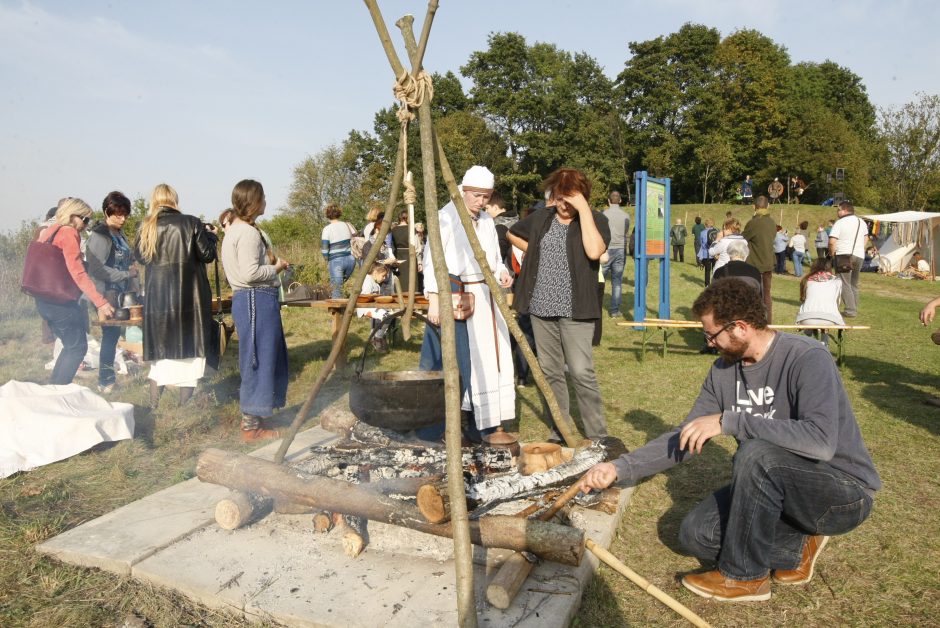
{"x": 663, "y": 452}
{"x": 97, "y": 252}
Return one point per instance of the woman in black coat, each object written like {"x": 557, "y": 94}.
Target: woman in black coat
{"x": 178, "y": 324}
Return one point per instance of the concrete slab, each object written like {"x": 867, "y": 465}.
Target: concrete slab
{"x": 280, "y": 570}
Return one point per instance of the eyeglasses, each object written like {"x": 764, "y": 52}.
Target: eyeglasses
{"x": 710, "y": 338}
{"x": 86, "y": 220}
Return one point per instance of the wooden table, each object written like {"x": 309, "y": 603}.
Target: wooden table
{"x": 670, "y": 326}
{"x": 336, "y": 308}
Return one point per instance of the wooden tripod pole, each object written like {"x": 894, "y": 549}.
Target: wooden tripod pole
{"x": 463, "y": 553}
{"x": 611, "y": 561}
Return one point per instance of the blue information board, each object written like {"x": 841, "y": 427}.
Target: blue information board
{"x": 652, "y": 241}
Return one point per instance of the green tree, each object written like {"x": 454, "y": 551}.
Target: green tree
{"x": 911, "y": 168}
{"x": 714, "y": 159}
{"x": 838, "y": 89}
{"x": 327, "y": 177}
{"x": 549, "y": 107}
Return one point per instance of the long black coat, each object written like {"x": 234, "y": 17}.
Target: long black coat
{"x": 178, "y": 320}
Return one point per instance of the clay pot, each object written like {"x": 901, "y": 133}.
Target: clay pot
{"x": 501, "y": 439}
{"x": 137, "y": 312}
{"x": 538, "y": 457}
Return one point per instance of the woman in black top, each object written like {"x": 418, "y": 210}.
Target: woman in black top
{"x": 557, "y": 286}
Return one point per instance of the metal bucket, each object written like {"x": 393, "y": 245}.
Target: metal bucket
{"x": 398, "y": 400}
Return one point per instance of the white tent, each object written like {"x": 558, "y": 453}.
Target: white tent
{"x": 900, "y": 234}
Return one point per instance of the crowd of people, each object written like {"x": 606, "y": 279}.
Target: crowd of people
{"x": 796, "y": 479}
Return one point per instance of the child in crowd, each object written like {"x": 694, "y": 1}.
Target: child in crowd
{"x": 373, "y": 286}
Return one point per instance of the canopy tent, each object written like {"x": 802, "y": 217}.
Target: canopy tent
{"x": 899, "y": 235}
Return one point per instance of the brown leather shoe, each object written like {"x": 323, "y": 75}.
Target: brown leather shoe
{"x": 715, "y": 586}
{"x": 253, "y": 436}
{"x": 804, "y": 571}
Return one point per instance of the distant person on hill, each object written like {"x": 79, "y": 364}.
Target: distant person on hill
{"x": 780, "y": 251}
{"x": 760, "y": 232}
{"x": 801, "y": 471}
{"x": 619, "y": 222}
{"x": 775, "y": 190}
{"x": 706, "y": 239}
{"x": 677, "y": 237}
{"x": 747, "y": 191}
{"x": 798, "y": 244}
{"x": 697, "y": 229}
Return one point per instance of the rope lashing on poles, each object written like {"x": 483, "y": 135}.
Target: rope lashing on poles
{"x": 412, "y": 91}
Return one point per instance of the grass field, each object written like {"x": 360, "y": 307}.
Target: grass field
{"x": 885, "y": 573}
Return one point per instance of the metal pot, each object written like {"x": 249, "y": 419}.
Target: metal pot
{"x": 398, "y": 400}
{"x": 128, "y": 299}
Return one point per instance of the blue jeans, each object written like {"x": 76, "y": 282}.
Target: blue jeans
{"x": 775, "y": 500}
{"x": 614, "y": 268}
{"x": 67, "y": 322}
{"x": 109, "y": 339}
{"x": 781, "y": 266}
{"x": 262, "y": 351}
{"x": 797, "y": 263}
{"x": 341, "y": 269}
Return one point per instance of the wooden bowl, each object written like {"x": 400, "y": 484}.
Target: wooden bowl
{"x": 538, "y": 457}
{"x": 364, "y": 298}
{"x": 385, "y": 299}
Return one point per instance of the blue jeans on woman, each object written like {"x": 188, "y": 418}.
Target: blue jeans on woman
{"x": 781, "y": 266}
{"x": 67, "y": 321}
{"x": 798, "y": 263}
{"x": 775, "y": 500}
{"x": 262, "y": 351}
{"x": 341, "y": 269}
{"x": 109, "y": 339}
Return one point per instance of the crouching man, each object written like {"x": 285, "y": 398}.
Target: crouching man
{"x": 801, "y": 471}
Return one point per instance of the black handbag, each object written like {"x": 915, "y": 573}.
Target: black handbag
{"x": 843, "y": 261}
{"x": 45, "y": 274}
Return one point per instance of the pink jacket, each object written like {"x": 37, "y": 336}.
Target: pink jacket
{"x": 67, "y": 239}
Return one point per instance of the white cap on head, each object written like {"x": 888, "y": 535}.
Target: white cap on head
{"x": 478, "y": 178}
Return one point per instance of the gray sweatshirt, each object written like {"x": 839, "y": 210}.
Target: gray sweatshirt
{"x": 244, "y": 259}
{"x": 793, "y": 397}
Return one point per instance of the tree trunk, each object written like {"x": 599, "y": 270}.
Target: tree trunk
{"x": 549, "y": 541}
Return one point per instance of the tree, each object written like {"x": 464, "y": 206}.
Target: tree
{"x": 549, "y": 107}
{"x": 714, "y": 158}
{"x": 327, "y": 177}
{"x": 911, "y": 136}
{"x": 838, "y": 89}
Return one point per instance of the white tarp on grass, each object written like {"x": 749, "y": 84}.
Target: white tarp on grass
{"x": 911, "y": 232}
{"x": 42, "y": 424}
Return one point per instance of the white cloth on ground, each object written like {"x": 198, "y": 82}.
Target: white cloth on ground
{"x": 42, "y": 424}
{"x": 184, "y": 373}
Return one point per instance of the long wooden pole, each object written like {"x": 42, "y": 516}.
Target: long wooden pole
{"x": 339, "y": 343}
{"x": 644, "y": 584}
{"x": 463, "y": 552}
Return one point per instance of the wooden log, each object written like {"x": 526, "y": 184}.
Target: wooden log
{"x": 424, "y": 459}
{"x": 237, "y": 509}
{"x": 322, "y": 522}
{"x": 434, "y": 502}
{"x": 549, "y": 541}
{"x": 513, "y": 573}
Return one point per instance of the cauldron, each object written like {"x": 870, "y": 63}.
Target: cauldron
{"x": 398, "y": 400}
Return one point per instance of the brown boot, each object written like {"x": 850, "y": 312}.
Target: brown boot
{"x": 804, "y": 571}
{"x": 713, "y": 585}
{"x": 259, "y": 434}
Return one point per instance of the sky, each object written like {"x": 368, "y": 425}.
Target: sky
{"x": 100, "y": 95}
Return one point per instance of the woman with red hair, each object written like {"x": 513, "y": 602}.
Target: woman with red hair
{"x": 557, "y": 286}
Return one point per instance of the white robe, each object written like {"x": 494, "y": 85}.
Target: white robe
{"x": 492, "y": 387}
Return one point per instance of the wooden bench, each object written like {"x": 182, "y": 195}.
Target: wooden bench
{"x": 669, "y": 326}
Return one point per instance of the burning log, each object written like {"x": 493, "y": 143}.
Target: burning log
{"x": 239, "y": 508}
{"x": 322, "y": 522}
{"x": 515, "y": 485}
{"x": 354, "y": 533}
{"x": 434, "y": 502}
{"x": 549, "y": 541}
{"x": 397, "y": 460}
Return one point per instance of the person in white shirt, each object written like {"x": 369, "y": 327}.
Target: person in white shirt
{"x": 487, "y": 384}
{"x": 719, "y": 250}
{"x": 798, "y": 242}
{"x": 849, "y": 236}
